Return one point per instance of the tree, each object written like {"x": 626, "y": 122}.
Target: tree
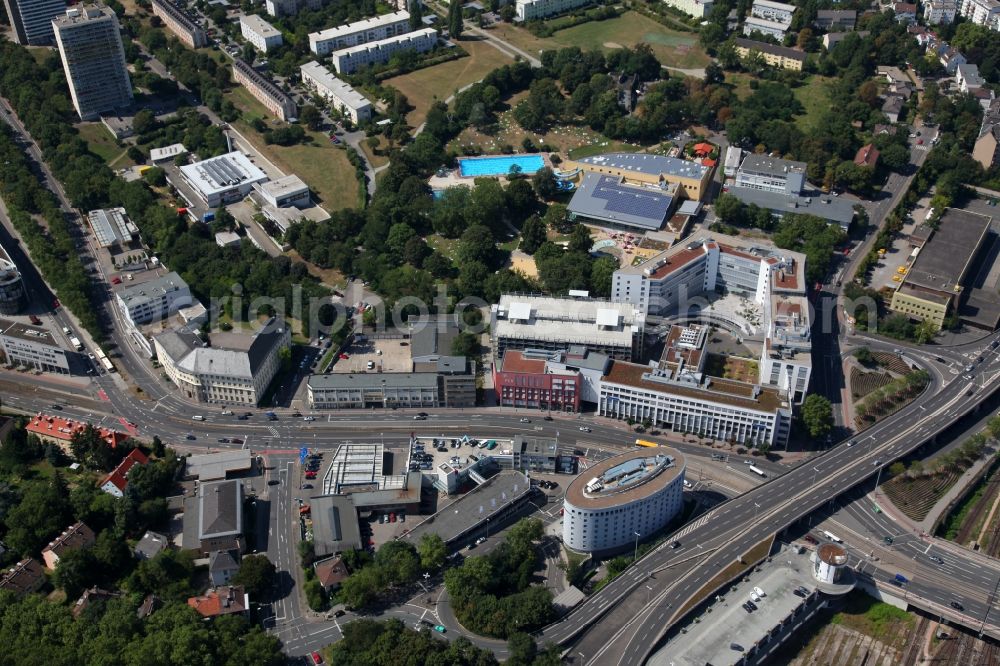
{"x": 432, "y": 551}
{"x": 729, "y": 209}
{"x": 557, "y": 218}
{"x": 256, "y": 574}
{"x": 714, "y": 73}
{"x": 311, "y": 117}
{"x": 416, "y": 15}
{"x": 155, "y": 176}
{"x": 465, "y": 344}
{"x": 544, "y": 182}
{"x": 476, "y": 244}
{"x": 532, "y": 235}
{"x": 817, "y": 415}
{"x": 864, "y": 356}
{"x": 74, "y": 571}
{"x": 580, "y": 240}
{"x": 897, "y": 468}
{"x": 455, "y": 20}
{"x": 521, "y": 649}
{"x": 144, "y": 121}
{"x": 601, "y": 274}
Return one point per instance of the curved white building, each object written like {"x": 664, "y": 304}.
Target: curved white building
{"x": 636, "y": 492}
{"x": 828, "y": 562}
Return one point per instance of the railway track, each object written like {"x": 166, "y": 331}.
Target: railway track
{"x": 977, "y": 512}
{"x": 962, "y": 648}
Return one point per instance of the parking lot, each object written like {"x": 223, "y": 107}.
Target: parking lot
{"x": 429, "y": 452}
{"x": 380, "y": 355}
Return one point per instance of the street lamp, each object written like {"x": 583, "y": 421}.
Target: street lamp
{"x": 650, "y": 592}
{"x": 755, "y": 510}
{"x": 635, "y": 555}
{"x": 815, "y": 472}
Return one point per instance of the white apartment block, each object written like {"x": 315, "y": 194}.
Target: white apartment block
{"x": 981, "y": 12}
{"x": 722, "y": 409}
{"x": 775, "y": 29}
{"x": 93, "y": 59}
{"x": 260, "y": 33}
{"x": 337, "y": 93}
{"x": 154, "y": 300}
{"x": 769, "y": 18}
{"x": 278, "y": 8}
{"x": 696, "y": 8}
{"x": 32, "y": 347}
{"x": 31, "y": 20}
{"x": 937, "y": 12}
{"x": 673, "y": 280}
{"x": 530, "y": 10}
{"x": 265, "y": 90}
{"x": 771, "y": 174}
{"x": 350, "y": 60}
{"x": 235, "y": 370}
{"x": 179, "y": 23}
{"x": 352, "y": 34}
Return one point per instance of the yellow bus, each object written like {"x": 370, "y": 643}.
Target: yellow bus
{"x": 646, "y": 443}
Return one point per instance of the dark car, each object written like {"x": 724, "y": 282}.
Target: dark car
{"x": 307, "y": 486}
{"x": 297, "y": 415}
{"x": 56, "y": 407}
{"x": 888, "y": 540}
{"x": 811, "y": 539}
{"x": 242, "y": 417}
{"x": 223, "y": 440}
{"x": 957, "y": 606}
{"x": 273, "y": 482}
{"x": 736, "y": 646}
{"x": 747, "y": 608}
{"x": 190, "y": 436}
{"x": 752, "y": 605}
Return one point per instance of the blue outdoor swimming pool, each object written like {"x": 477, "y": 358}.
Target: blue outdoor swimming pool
{"x": 499, "y": 165}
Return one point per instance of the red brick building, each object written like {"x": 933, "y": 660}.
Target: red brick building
{"x": 522, "y": 379}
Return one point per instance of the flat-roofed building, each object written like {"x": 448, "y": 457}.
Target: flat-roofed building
{"x": 530, "y": 10}
{"x": 224, "y": 179}
{"x": 771, "y": 174}
{"x": 217, "y": 466}
{"x": 494, "y": 501}
{"x": 692, "y": 179}
{"x": 696, "y": 8}
{"x": 934, "y": 284}
{"x": 835, "y": 19}
{"x": 360, "y": 32}
{"x": 180, "y": 23}
{"x": 235, "y": 370}
{"x": 112, "y": 227}
{"x": 353, "y": 58}
{"x": 167, "y": 152}
{"x": 31, "y": 20}
{"x": 981, "y": 12}
{"x": 279, "y": 8}
{"x": 13, "y": 297}
{"x": 340, "y": 94}
{"x": 775, "y": 11}
{"x": 558, "y": 381}
{"x": 608, "y": 201}
{"x": 287, "y": 191}
{"x": 776, "y": 29}
{"x": 32, "y": 347}
{"x": 721, "y": 409}
{"x": 260, "y": 33}
{"x": 638, "y": 492}
{"x": 153, "y": 300}
{"x": 93, "y": 60}
{"x": 335, "y": 525}
{"x": 555, "y": 324}
{"x": 734, "y": 155}
{"x": 265, "y": 90}
{"x": 451, "y": 386}
{"x": 775, "y": 56}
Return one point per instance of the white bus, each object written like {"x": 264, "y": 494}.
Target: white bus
{"x": 832, "y": 537}
{"x": 106, "y": 362}
{"x": 758, "y": 471}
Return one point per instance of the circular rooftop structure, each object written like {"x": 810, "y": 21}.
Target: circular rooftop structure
{"x": 829, "y": 562}
{"x": 832, "y": 554}
{"x": 636, "y": 492}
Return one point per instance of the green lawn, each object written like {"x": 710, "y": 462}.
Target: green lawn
{"x": 815, "y": 100}
{"x": 322, "y": 166}
{"x": 672, "y": 48}
{"x": 100, "y": 141}
{"x": 608, "y": 146}
{"x": 424, "y": 86}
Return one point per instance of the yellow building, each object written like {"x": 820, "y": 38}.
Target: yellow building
{"x": 934, "y": 283}
{"x": 691, "y": 178}
{"x": 775, "y": 56}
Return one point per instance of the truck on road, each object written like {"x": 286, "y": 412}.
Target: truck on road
{"x": 758, "y": 471}
{"x": 900, "y": 579}
{"x": 832, "y": 537}
{"x": 75, "y": 341}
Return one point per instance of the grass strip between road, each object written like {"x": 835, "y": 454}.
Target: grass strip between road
{"x": 747, "y": 561}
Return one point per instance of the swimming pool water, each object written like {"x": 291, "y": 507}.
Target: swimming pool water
{"x": 499, "y": 165}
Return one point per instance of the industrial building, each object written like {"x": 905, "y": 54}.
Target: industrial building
{"x": 224, "y": 179}
{"x": 353, "y": 58}
{"x": 265, "y": 90}
{"x": 780, "y": 186}
{"x": 360, "y": 32}
{"x": 614, "y": 503}
{"x": 935, "y": 283}
{"x": 93, "y": 60}
{"x": 531, "y": 10}
{"x": 287, "y": 191}
{"x": 13, "y": 298}
{"x": 260, "y": 33}
{"x": 781, "y": 57}
{"x": 339, "y": 94}
{"x": 153, "y": 300}
{"x": 691, "y": 178}
{"x": 488, "y": 506}
{"x": 672, "y": 280}
{"x": 178, "y": 22}
{"x": 610, "y": 201}
{"x": 112, "y": 227}
{"x": 31, "y": 20}
{"x": 555, "y": 324}
{"x": 31, "y": 347}
{"x": 671, "y": 397}
{"x": 235, "y": 370}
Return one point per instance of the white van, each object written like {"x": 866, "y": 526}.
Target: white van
{"x": 760, "y": 592}
{"x": 198, "y": 417}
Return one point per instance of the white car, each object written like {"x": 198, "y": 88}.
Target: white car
{"x": 308, "y": 418}
{"x": 584, "y": 429}
{"x": 759, "y": 592}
